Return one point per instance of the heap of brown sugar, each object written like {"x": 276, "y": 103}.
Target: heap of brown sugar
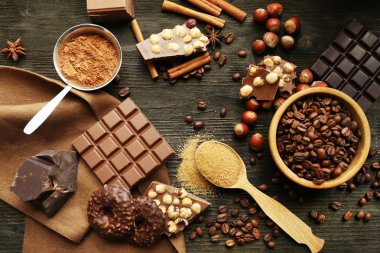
{"x": 88, "y": 60}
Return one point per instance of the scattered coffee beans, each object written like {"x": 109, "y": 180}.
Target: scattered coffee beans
{"x": 236, "y": 77}
{"x": 336, "y": 205}
{"x": 222, "y": 60}
{"x": 347, "y": 215}
{"x": 198, "y": 125}
{"x": 188, "y": 118}
{"x": 242, "y": 53}
{"x": 223, "y": 112}
{"x": 124, "y": 92}
{"x": 201, "y": 105}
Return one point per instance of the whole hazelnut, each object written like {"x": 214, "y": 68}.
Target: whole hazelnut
{"x": 292, "y": 25}
{"x": 302, "y": 86}
{"x": 270, "y": 39}
{"x": 246, "y": 91}
{"x": 266, "y": 104}
{"x": 306, "y": 76}
{"x": 249, "y": 117}
{"x": 190, "y": 23}
{"x": 273, "y": 25}
{"x": 256, "y": 142}
{"x": 258, "y": 46}
{"x": 260, "y": 16}
{"x": 274, "y": 9}
{"x": 252, "y": 104}
{"x": 240, "y": 130}
{"x": 278, "y": 102}
{"x": 287, "y": 42}
{"x": 319, "y": 84}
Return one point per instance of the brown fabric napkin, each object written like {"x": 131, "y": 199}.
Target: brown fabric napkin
{"x": 23, "y": 94}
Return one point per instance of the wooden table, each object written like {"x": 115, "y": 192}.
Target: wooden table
{"x": 41, "y": 22}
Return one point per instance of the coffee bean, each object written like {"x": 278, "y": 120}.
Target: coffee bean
{"x": 192, "y": 73}
{"x": 242, "y": 53}
{"x": 230, "y": 243}
{"x": 359, "y": 215}
{"x": 369, "y": 195}
{"x": 262, "y": 215}
{"x": 276, "y": 232}
{"x": 376, "y": 194}
{"x": 271, "y": 245}
{"x": 117, "y": 79}
{"x": 235, "y": 212}
{"x": 199, "y": 231}
{"x": 192, "y": 235}
{"x": 321, "y": 218}
{"x": 263, "y": 187}
{"x": 351, "y": 187}
{"x": 215, "y": 238}
{"x": 362, "y": 202}
{"x": 198, "y": 125}
{"x": 375, "y": 185}
{"x": 225, "y": 228}
{"x": 217, "y": 225}
{"x": 270, "y": 223}
{"x": 124, "y": 92}
{"x": 256, "y": 233}
{"x": 347, "y": 215}
{"x": 236, "y": 77}
{"x": 239, "y": 234}
{"x": 210, "y": 223}
{"x": 222, "y": 60}
{"x": 367, "y": 217}
{"x": 223, "y": 112}
{"x": 244, "y": 202}
{"x": 216, "y": 56}
{"x": 375, "y": 166}
{"x": 172, "y": 81}
{"x": 230, "y": 38}
{"x": 201, "y": 70}
{"x": 239, "y": 223}
{"x": 207, "y": 67}
{"x": 221, "y": 218}
{"x": 249, "y": 226}
{"x": 252, "y": 210}
{"x": 186, "y": 76}
{"x": 244, "y": 218}
{"x": 335, "y": 205}
{"x": 233, "y": 232}
{"x": 222, "y": 209}
{"x": 200, "y": 219}
{"x": 188, "y": 118}
{"x": 201, "y": 105}
{"x": 267, "y": 238}
{"x": 260, "y": 155}
{"x": 374, "y": 151}
{"x": 236, "y": 200}
{"x": 252, "y": 161}
{"x": 240, "y": 241}
{"x": 212, "y": 230}
{"x": 254, "y": 223}
{"x": 198, "y": 76}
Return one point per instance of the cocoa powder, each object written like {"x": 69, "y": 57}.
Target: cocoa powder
{"x": 88, "y": 60}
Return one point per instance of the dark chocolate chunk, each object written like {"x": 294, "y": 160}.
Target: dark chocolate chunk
{"x": 331, "y": 55}
{"x": 342, "y": 41}
{"x": 357, "y": 53}
{"x": 320, "y": 68}
{"x": 371, "y": 65}
{"x": 373, "y": 90}
{"x": 369, "y": 40}
{"x": 345, "y": 67}
{"x": 47, "y": 179}
{"x": 360, "y": 79}
{"x": 334, "y": 79}
{"x": 354, "y": 28}
{"x": 350, "y": 90}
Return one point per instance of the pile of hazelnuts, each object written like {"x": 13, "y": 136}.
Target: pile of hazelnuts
{"x": 270, "y": 17}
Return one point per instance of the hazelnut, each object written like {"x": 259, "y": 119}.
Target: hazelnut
{"x": 319, "y": 84}
{"x": 182, "y": 193}
{"x": 270, "y": 39}
{"x": 163, "y": 209}
{"x": 188, "y": 50}
{"x": 260, "y": 15}
{"x": 158, "y": 203}
{"x": 196, "y": 207}
{"x": 278, "y": 70}
{"x": 249, "y": 117}
{"x": 187, "y": 202}
{"x": 185, "y": 212}
{"x": 240, "y": 130}
{"x": 271, "y": 78}
{"x": 156, "y": 49}
{"x": 288, "y": 68}
{"x": 292, "y": 25}
{"x": 190, "y": 23}
{"x": 167, "y": 34}
{"x": 302, "y": 86}
{"x": 160, "y": 188}
{"x": 258, "y": 46}
{"x": 274, "y": 9}
{"x": 256, "y": 142}
{"x": 167, "y": 199}
{"x": 281, "y": 83}
{"x": 173, "y": 46}
{"x": 198, "y": 44}
{"x": 195, "y": 33}
{"x": 187, "y": 39}
{"x": 179, "y": 220}
{"x": 273, "y": 25}
{"x": 252, "y": 104}
{"x": 267, "y": 104}
{"x": 287, "y": 42}
{"x": 306, "y": 76}
{"x": 176, "y": 201}
{"x": 173, "y": 212}
{"x": 172, "y": 227}
{"x": 268, "y": 62}
{"x": 252, "y": 70}
{"x": 276, "y": 59}
{"x": 154, "y": 39}
{"x": 179, "y": 31}
{"x": 246, "y": 91}
{"x": 258, "y": 82}
{"x": 204, "y": 39}
{"x": 286, "y": 78}
{"x": 278, "y": 102}
{"x": 152, "y": 194}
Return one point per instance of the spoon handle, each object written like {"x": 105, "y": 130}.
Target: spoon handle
{"x": 284, "y": 218}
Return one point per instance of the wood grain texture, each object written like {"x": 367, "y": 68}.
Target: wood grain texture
{"x": 40, "y": 23}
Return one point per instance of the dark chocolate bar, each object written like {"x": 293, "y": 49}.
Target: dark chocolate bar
{"x": 124, "y": 147}
{"x": 352, "y": 64}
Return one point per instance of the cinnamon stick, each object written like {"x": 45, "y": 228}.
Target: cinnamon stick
{"x": 176, "y": 8}
{"x": 139, "y": 37}
{"x": 230, "y": 9}
{"x": 206, "y": 6}
{"x": 189, "y": 66}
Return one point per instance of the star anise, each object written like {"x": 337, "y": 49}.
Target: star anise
{"x": 214, "y": 36}
{"x": 14, "y": 49}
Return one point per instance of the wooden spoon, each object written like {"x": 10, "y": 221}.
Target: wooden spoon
{"x": 236, "y": 177}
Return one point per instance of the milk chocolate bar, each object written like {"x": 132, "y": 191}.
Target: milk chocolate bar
{"x": 352, "y": 64}
{"x": 124, "y": 147}
{"x": 179, "y": 207}
{"x": 110, "y": 10}
{"x": 47, "y": 179}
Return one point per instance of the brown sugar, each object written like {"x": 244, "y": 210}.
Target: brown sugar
{"x": 88, "y": 60}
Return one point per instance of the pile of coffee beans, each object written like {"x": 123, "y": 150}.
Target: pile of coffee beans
{"x": 317, "y": 138}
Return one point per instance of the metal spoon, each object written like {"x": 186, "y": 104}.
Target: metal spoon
{"x": 284, "y": 218}
{"x": 74, "y": 31}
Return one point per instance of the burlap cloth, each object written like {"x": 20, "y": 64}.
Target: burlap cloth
{"x": 22, "y": 95}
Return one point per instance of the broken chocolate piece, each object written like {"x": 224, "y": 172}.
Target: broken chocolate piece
{"x": 110, "y": 10}
{"x": 47, "y": 179}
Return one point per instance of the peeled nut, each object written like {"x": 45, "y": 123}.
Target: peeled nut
{"x": 152, "y": 194}
{"x": 167, "y": 34}
{"x": 160, "y": 188}
{"x": 179, "y": 220}
{"x": 252, "y": 70}
{"x": 246, "y": 91}
{"x": 163, "y": 209}
{"x": 187, "y": 39}
{"x": 276, "y": 60}
{"x": 183, "y": 193}
{"x": 286, "y": 78}
{"x": 179, "y": 31}
{"x": 173, "y": 46}
{"x": 156, "y": 49}
{"x": 195, "y": 33}
{"x": 258, "y": 82}
{"x": 271, "y": 78}
{"x": 281, "y": 83}
{"x": 173, "y": 212}
{"x": 278, "y": 70}
{"x": 172, "y": 227}
{"x": 158, "y": 203}
{"x": 185, "y": 212}
{"x": 176, "y": 201}
{"x": 204, "y": 39}
{"x": 288, "y": 68}
{"x": 196, "y": 207}
{"x": 187, "y": 202}
{"x": 167, "y": 199}
{"x": 198, "y": 44}
{"x": 188, "y": 50}
{"x": 268, "y": 62}
{"x": 154, "y": 39}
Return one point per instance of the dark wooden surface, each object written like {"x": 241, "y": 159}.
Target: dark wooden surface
{"x": 41, "y": 22}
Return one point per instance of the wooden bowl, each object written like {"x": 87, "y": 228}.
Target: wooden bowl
{"x": 357, "y": 114}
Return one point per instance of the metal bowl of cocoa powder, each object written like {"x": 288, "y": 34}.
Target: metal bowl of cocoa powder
{"x": 319, "y": 138}
{"x": 87, "y": 57}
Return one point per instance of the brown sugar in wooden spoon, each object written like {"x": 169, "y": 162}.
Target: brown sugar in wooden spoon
{"x": 223, "y": 167}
